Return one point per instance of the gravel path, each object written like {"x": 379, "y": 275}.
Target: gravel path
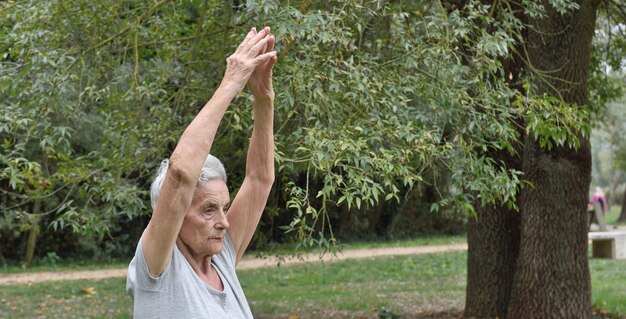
{"x": 246, "y": 263}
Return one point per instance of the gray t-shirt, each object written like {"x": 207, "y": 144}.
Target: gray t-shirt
{"x": 180, "y": 293}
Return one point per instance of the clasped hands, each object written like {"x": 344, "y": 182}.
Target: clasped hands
{"x": 251, "y": 64}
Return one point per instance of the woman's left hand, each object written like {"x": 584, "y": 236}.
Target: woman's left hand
{"x": 260, "y": 82}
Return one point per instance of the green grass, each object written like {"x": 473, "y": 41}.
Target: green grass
{"x": 410, "y": 285}
{"x": 608, "y": 284}
{"x": 413, "y": 284}
{"x": 67, "y": 299}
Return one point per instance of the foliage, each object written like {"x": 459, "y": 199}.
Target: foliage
{"x": 371, "y": 96}
{"x": 71, "y": 138}
{"x": 553, "y": 123}
{"x": 606, "y": 76}
{"x": 607, "y": 79}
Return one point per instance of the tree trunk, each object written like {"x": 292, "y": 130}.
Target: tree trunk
{"x": 622, "y": 215}
{"x": 611, "y": 190}
{"x": 33, "y": 231}
{"x": 493, "y": 238}
{"x": 552, "y": 278}
{"x": 493, "y": 244}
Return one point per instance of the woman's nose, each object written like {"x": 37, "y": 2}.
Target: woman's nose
{"x": 222, "y": 222}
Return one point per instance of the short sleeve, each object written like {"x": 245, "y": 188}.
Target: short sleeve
{"x": 138, "y": 275}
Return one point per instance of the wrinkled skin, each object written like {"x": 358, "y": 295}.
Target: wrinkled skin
{"x": 205, "y": 224}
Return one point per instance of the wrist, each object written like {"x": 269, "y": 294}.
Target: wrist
{"x": 229, "y": 87}
{"x": 265, "y": 98}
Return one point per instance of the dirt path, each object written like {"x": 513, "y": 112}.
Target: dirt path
{"x": 246, "y": 263}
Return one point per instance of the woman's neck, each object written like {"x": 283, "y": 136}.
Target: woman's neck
{"x": 201, "y": 265}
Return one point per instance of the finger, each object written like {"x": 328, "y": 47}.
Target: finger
{"x": 249, "y": 36}
{"x": 264, "y": 57}
{"x": 260, "y": 47}
{"x": 272, "y": 61}
{"x": 270, "y": 44}
{"x": 258, "y": 37}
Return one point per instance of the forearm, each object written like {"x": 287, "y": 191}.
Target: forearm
{"x": 260, "y": 159}
{"x": 248, "y": 205}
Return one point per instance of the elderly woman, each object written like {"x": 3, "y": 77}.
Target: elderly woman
{"x": 184, "y": 265}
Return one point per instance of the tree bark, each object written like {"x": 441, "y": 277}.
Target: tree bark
{"x": 493, "y": 244}
{"x": 31, "y": 239}
{"x": 552, "y": 278}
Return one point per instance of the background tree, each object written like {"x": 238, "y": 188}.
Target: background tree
{"x": 616, "y": 118}
{"x": 91, "y": 109}
{"x": 606, "y": 83}
{"x": 554, "y": 210}
{"x": 555, "y": 65}
{"x": 378, "y": 103}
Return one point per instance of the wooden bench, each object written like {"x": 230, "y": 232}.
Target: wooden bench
{"x": 608, "y": 244}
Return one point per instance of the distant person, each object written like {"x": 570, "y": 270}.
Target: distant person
{"x": 184, "y": 265}
{"x": 599, "y": 197}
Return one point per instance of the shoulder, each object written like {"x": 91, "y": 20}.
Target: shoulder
{"x": 140, "y": 278}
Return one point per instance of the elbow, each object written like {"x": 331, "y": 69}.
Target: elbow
{"x": 261, "y": 173}
{"x": 267, "y": 183}
{"x": 269, "y": 180}
{"x": 178, "y": 172}
{"x": 265, "y": 180}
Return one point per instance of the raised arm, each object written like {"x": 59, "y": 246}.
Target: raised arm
{"x": 192, "y": 149}
{"x": 247, "y": 207}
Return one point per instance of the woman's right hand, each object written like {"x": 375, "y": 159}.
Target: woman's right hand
{"x": 249, "y": 54}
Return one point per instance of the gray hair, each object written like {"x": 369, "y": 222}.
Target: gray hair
{"x": 212, "y": 169}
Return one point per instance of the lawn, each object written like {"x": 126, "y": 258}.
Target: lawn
{"x": 66, "y": 299}
{"x": 429, "y": 283}
{"x": 368, "y": 288}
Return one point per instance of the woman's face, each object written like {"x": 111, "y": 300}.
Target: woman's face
{"x": 205, "y": 223}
